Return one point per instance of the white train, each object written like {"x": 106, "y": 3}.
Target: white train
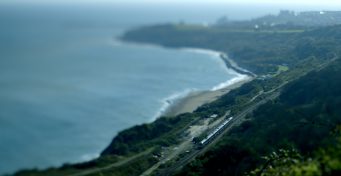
{"x": 216, "y": 131}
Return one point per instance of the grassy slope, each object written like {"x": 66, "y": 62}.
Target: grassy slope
{"x": 258, "y": 51}
{"x": 241, "y": 150}
{"x": 302, "y": 118}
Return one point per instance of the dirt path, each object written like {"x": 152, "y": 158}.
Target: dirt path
{"x": 183, "y": 147}
{"x": 116, "y": 164}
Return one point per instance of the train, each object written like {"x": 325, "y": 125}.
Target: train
{"x": 215, "y": 132}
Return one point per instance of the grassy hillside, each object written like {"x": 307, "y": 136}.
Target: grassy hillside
{"x": 296, "y": 127}
{"x": 302, "y": 119}
{"x": 258, "y": 51}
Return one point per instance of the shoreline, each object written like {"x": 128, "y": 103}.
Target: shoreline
{"x": 234, "y": 66}
{"x": 195, "y": 99}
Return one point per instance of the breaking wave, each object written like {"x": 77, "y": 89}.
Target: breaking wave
{"x": 230, "y": 82}
{"x": 172, "y": 100}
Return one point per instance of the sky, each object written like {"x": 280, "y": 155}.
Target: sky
{"x": 308, "y": 2}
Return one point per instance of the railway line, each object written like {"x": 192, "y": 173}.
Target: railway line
{"x": 196, "y": 151}
{"x": 261, "y": 98}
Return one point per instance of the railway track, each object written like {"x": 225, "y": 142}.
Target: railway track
{"x": 237, "y": 120}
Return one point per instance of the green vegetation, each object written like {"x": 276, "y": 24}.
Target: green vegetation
{"x": 281, "y": 68}
{"x": 135, "y": 167}
{"x": 290, "y": 135}
{"x": 326, "y": 161}
{"x": 302, "y": 118}
{"x": 257, "y": 51}
{"x": 250, "y": 49}
{"x": 164, "y": 131}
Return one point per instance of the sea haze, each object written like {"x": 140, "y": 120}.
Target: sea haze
{"x": 67, "y": 86}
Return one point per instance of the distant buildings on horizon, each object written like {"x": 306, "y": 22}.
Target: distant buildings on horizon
{"x": 288, "y": 18}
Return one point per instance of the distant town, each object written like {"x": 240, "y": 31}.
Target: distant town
{"x": 287, "y": 18}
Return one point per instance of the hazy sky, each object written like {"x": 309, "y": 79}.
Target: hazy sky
{"x": 308, "y": 2}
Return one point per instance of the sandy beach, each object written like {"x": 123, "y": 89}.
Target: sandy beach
{"x": 197, "y": 99}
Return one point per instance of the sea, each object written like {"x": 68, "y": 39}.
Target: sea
{"x": 68, "y": 85}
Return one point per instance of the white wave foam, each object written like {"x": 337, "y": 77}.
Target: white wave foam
{"x": 235, "y": 65}
{"x": 176, "y": 97}
{"x": 217, "y": 56}
{"x": 173, "y": 99}
{"x": 118, "y": 42}
{"x": 203, "y": 51}
{"x": 230, "y": 82}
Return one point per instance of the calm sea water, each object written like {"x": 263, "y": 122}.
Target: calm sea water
{"x": 67, "y": 86}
